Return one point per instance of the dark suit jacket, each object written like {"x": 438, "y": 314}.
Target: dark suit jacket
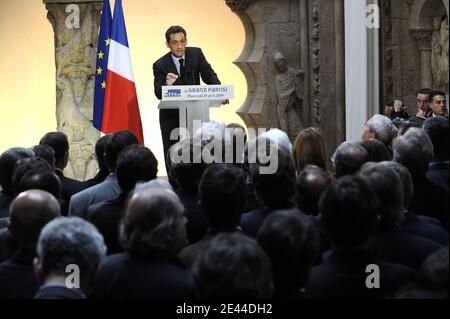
{"x": 156, "y": 275}
{"x": 344, "y": 275}
{"x": 417, "y": 226}
{"x": 196, "y": 67}
{"x": 430, "y": 199}
{"x": 69, "y": 187}
{"x": 189, "y": 253}
{"x": 106, "y": 217}
{"x": 8, "y": 245}
{"x": 438, "y": 173}
{"x": 17, "y": 278}
{"x": 252, "y": 221}
{"x": 197, "y": 224}
{"x": 57, "y": 292}
{"x": 398, "y": 247}
{"x": 5, "y": 201}
{"x": 252, "y": 202}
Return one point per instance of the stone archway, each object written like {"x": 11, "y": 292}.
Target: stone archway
{"x": 429, "y": 27}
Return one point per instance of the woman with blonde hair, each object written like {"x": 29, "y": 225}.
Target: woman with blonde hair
{"x": 309, "y": 148}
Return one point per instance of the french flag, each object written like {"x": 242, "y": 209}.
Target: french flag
{"x": 121, "y": 107}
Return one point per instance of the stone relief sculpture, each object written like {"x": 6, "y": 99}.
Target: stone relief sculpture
{"x": 289, "y": 96}
{"x": 75, "y": 52}
{"x": 439, "y": 55}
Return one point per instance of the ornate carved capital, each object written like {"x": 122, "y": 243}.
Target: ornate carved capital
{"x": 423, "y": 39}
{"x": 238, "y": 5}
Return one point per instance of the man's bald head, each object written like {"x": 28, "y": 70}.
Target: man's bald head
{"x": 311, "y": 183}
{"x": 153, "y": 221}
{"x": 29, "y": 212}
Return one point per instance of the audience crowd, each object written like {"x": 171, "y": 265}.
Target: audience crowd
{"x": 369, "y": 221}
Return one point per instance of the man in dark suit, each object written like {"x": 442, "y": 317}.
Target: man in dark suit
{"x": 181, "y": 66}
{"x": 135, "y": 163}
{"x": 437, "y": 129}
{"x": 274, "y": 191}
{"x": 390, "y": 243}
{"x": 60, "y": 144}
{"x": 414, "y": 150}
{"x": 349, "y": 209}
{"x": 8, "y": 161}
{"x": 80, "y": 244}
{"x": 109, "y": 188}
{"x": 420, "y": 226}
{"x": 222, "y": 199}
{"x": 30, "y": 211}
{"x": 152, "y": 232}
{"x": 187, "y": 176}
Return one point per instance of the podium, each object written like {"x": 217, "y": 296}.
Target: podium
{"x": 193, "y": 103}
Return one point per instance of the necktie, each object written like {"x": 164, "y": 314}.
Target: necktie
{"x": 182, "y": 70}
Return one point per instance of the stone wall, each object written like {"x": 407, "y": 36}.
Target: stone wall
{"x": 414, "y": 48}
{"x": 307, "y": 89}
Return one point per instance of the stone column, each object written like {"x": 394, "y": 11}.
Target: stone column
{"x": 423, "y": 39}
{"x": 75, "y": 24}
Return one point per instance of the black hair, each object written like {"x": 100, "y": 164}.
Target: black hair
{"x": 59, "y": 142}
{"x": 378, "y": 152}
{"x": 292, "y": 243}
{"x": 388, "y": 187}
{"x": 175, "y": 29}
{"x": 187, "y": 171}
{"x": 223, "y": 196}
{"x": 437, "y": 129}
{"x": 135, "y": 163}
{"x": 8, "y": 161}
{"x": 436, "y": 93}
{"x": 43, "y": 180}
{"x": 46, "y": 152}
{"x": 425, "y": 91}
{"x": 25, "y": 166}
{"x": 349, "y": 210}
{"x": 232, "y": 265}
{"x": 277, "y": 190}
{"x": 100, "y": 154}
{"x": 115, "y": 144}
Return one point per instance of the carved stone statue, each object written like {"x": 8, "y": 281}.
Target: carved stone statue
{"x": 439, "y": 55}
{"x": 289, "y": 96}
{"x": 75, "y": 55}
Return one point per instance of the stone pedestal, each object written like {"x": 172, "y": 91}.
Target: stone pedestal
{"x": 310, "y": 36}
{"x": 75, "y": 24}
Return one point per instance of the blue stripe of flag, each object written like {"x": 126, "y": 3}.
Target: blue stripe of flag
{"x": 119, "y": 32}
{"x": 103, "y": 48}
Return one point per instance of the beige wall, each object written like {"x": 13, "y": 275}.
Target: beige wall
{"x": 27, "y": 85}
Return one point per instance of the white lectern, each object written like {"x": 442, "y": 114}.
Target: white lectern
{"x": 193, "y": 102}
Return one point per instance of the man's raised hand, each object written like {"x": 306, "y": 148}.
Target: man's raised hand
{"x": 171, "y": 78}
